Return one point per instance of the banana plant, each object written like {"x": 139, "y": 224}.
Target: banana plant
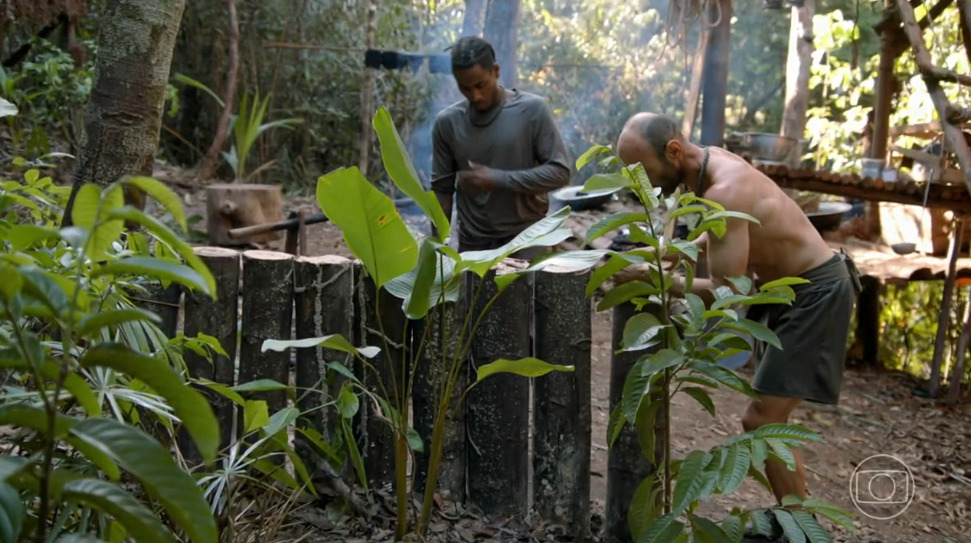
{"x": 684, "y": 338}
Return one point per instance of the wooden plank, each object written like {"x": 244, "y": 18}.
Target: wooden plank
{"x": 267, "y": 314}
{"x": 323, "y": 305}
{"x": 384, "y": 377}
{"x": 561, "y": 401}
{"x": 218, "y": 318}
{"x": 441, "y": 345}
{"x": 626, "y": 465}
{"x": 498, "y": 408}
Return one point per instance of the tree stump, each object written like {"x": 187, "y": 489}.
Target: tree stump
{"x": 232, "y": 205}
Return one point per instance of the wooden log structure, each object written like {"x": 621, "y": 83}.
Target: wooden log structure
{"x": 267, "y": 314}
{"x": 323, "y": 305}
{"x": 498, "y": 408}
{"x": 441, "y": 346}
{"x": 384, "y": 377}
{"x": 627, "y": 466}
{"x": 561, "y": 401}
{"x": 218, "y": 318}
{"x": 236, "y": 205}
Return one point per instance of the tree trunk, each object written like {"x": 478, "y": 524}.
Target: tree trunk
{"x": 715, "y": 86}
{"x": 501, "y": 24}
{"x": 211, "y": 160}
{"x": 367, "y": 92}
{"x": 797, "y": 75}
{"x": 474, "y": 17}
{"x": 123, "y": 117}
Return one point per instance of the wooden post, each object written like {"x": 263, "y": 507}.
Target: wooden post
{"x": 868, "y": 319}
{"x": 954, "y": 389}
{"x": 953, "y": 253}
{"x": 323, "y": 305}
{"x": 694, "y": 87}
{"x": 267, "y": 314}
{"x": 716, "y": 75}
{"x": 626, "y": 465}
{"x": 164, "y": 302}
{"x": 498, "y": 408}
{"x": 367, "y": 90}
{"x": 561, "y": 401}
{"x": 217, "y": 318}
{"x": 444, "y": 324}
{"x": 389, "y": 336}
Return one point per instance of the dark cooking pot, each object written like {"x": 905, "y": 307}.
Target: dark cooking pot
{"x": 579, "y": 200}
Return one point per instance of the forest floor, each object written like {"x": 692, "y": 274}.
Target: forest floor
{"x": 878, "y": 413}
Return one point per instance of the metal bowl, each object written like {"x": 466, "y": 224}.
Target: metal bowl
{"x": 768, "y": 147}
{"x": 829, "y": 215}
{"x": 579, "y": 200}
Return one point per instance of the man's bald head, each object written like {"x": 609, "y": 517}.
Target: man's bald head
{"x": 656, "y": 142}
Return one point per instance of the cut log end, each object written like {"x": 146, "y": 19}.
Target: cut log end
{"x": 336, "y": 260}
{"x": 256, "y": 254}
{"x": 214, "y": 252}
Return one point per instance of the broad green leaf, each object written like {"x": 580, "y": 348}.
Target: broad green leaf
{"x": 414, "y": 440}
{"x": 259, "y": 385}
{"x": 701, "y": 397}
{"x": 697, "y": 380}
{"x": 120, "y": 505}
{"x": 761, "y": 524}
{"x": 402, "y": 172}
{"x": 333, "y": 341}
{"x": 732, "y": 525}
{"x": 789, "y": 526}
{"x": 786, "y": 432}
{"x": 165, "y": 196}
{"x": 35, "y": 418}
{"x": 687, "y": 209}
{"x": 686, "y": 248}
{"x": 696, "y": 310}
{"x": 663, "y": 530}
{"x": 524, "y": 367}
{"x": 12, "y": 283}
{"x": 723, "y": 214}
{"x": 759, "y": 453}
{"x": 783, "y": 282}
{"x": 641, "y": 332}
{"x": 706, "y": 531}
{"x": 165, "y": 234}
{"x": 93, "y": 323}
{"x": 661, "y": 360}
{"x": 347, "y": 402}
{"x": 256, "y": 415}
{"x": 372, "y": 227}
{"x": 189, "y": 405}
{"x": 811, "y": 527}
{"x": 97, "y": 457}
{"x": 615, "y": 424}
{"x": 733, "y": 471}
{"x": 606, "y": 181}
{"x": 690, "y": 481}
{"x": 421, "y": 288}
{"x": 741, "y": 283}
{"x": 158, "y": 269}
{"x": 755, "y": 329}
{"x": 106, "y": 231}
{"x": 645, "y": 423}
{"x": 613, "y": 222}
{"x": 643, "y": 507}
{"x": 12, "y": 513}
{"x": 355, "y": 453}
{"x": 782, "y": 452}
{"x": 23, "y": 236}
{"x": 831, "y": 511}
{"x": 181, "y": 78}
{"x": 11, "y": 465}
{"x": 613, "y": 265}
{"x": 625, "y": 293}
{"x": 759, "y": 477}
{"x": 591, "y": 154}
{"x": 543, "y": 233}
{"x": 86, "y": 202}
{"x": 46, "y": 288}
{"x": 157, "y": 471}
{"x": 281, "y": 420}
{"x": 723, "y": 376}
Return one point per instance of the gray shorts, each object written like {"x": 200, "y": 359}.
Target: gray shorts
{"x": 813, "y": 333}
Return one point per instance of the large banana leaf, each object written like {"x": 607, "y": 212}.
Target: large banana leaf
{"x": 402, "y": 172}
{"x": 371, "y": 225}
{"x": 430, "y": 282}
{"x": 544, "y": 233}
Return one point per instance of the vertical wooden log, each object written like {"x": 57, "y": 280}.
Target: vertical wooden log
{"x": 626, "y": 465}
{"x": 498, "y": 408}
{"x": 323, "y": 305}
{"x": 868, "y": 319}
{"x": 444, "y": 326}
{"x": 561, "y": 401}
{"x": 943, "y": 317}
{"x": 164, "y": 302}
{"x": 217, "y": 318}
{"x": 715, "y": 86}
{"x": 267, "y": 314}
{"x": 957, "y": 374}
{"x": 385, "y": 373}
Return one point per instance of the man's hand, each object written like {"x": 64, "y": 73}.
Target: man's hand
{"x": 638, "y": 272}
{"x": 477, "y": 178}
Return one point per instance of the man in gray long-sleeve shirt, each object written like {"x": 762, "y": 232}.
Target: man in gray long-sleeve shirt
{"x": 498, "y": 151}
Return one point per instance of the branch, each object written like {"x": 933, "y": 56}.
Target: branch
{"x": 211, "y": 159}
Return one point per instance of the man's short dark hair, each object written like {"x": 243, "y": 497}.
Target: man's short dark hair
{"x": 472, "y": 51}
{"x": 658, "y": 131}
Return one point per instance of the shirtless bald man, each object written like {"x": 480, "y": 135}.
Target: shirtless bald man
{"x": 813, "y": 330}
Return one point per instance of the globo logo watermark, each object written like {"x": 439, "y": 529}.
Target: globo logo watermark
{"x": 882, "y": 486}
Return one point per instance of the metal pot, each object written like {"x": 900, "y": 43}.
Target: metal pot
{"x": 579, "y": 200}
{"x": 768, "y": 147}
{"x": 829, "y": 216}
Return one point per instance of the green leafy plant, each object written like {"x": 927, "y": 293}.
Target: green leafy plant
{"x": 68, "y": 348}
{"x": 683, "y": 339}
{"x": 425, "y": 274}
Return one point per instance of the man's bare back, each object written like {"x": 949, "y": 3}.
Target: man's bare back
{"x": 784, "y": 243}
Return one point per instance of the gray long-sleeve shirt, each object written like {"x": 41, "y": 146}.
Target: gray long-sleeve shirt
{"x": 522, "y": 143}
